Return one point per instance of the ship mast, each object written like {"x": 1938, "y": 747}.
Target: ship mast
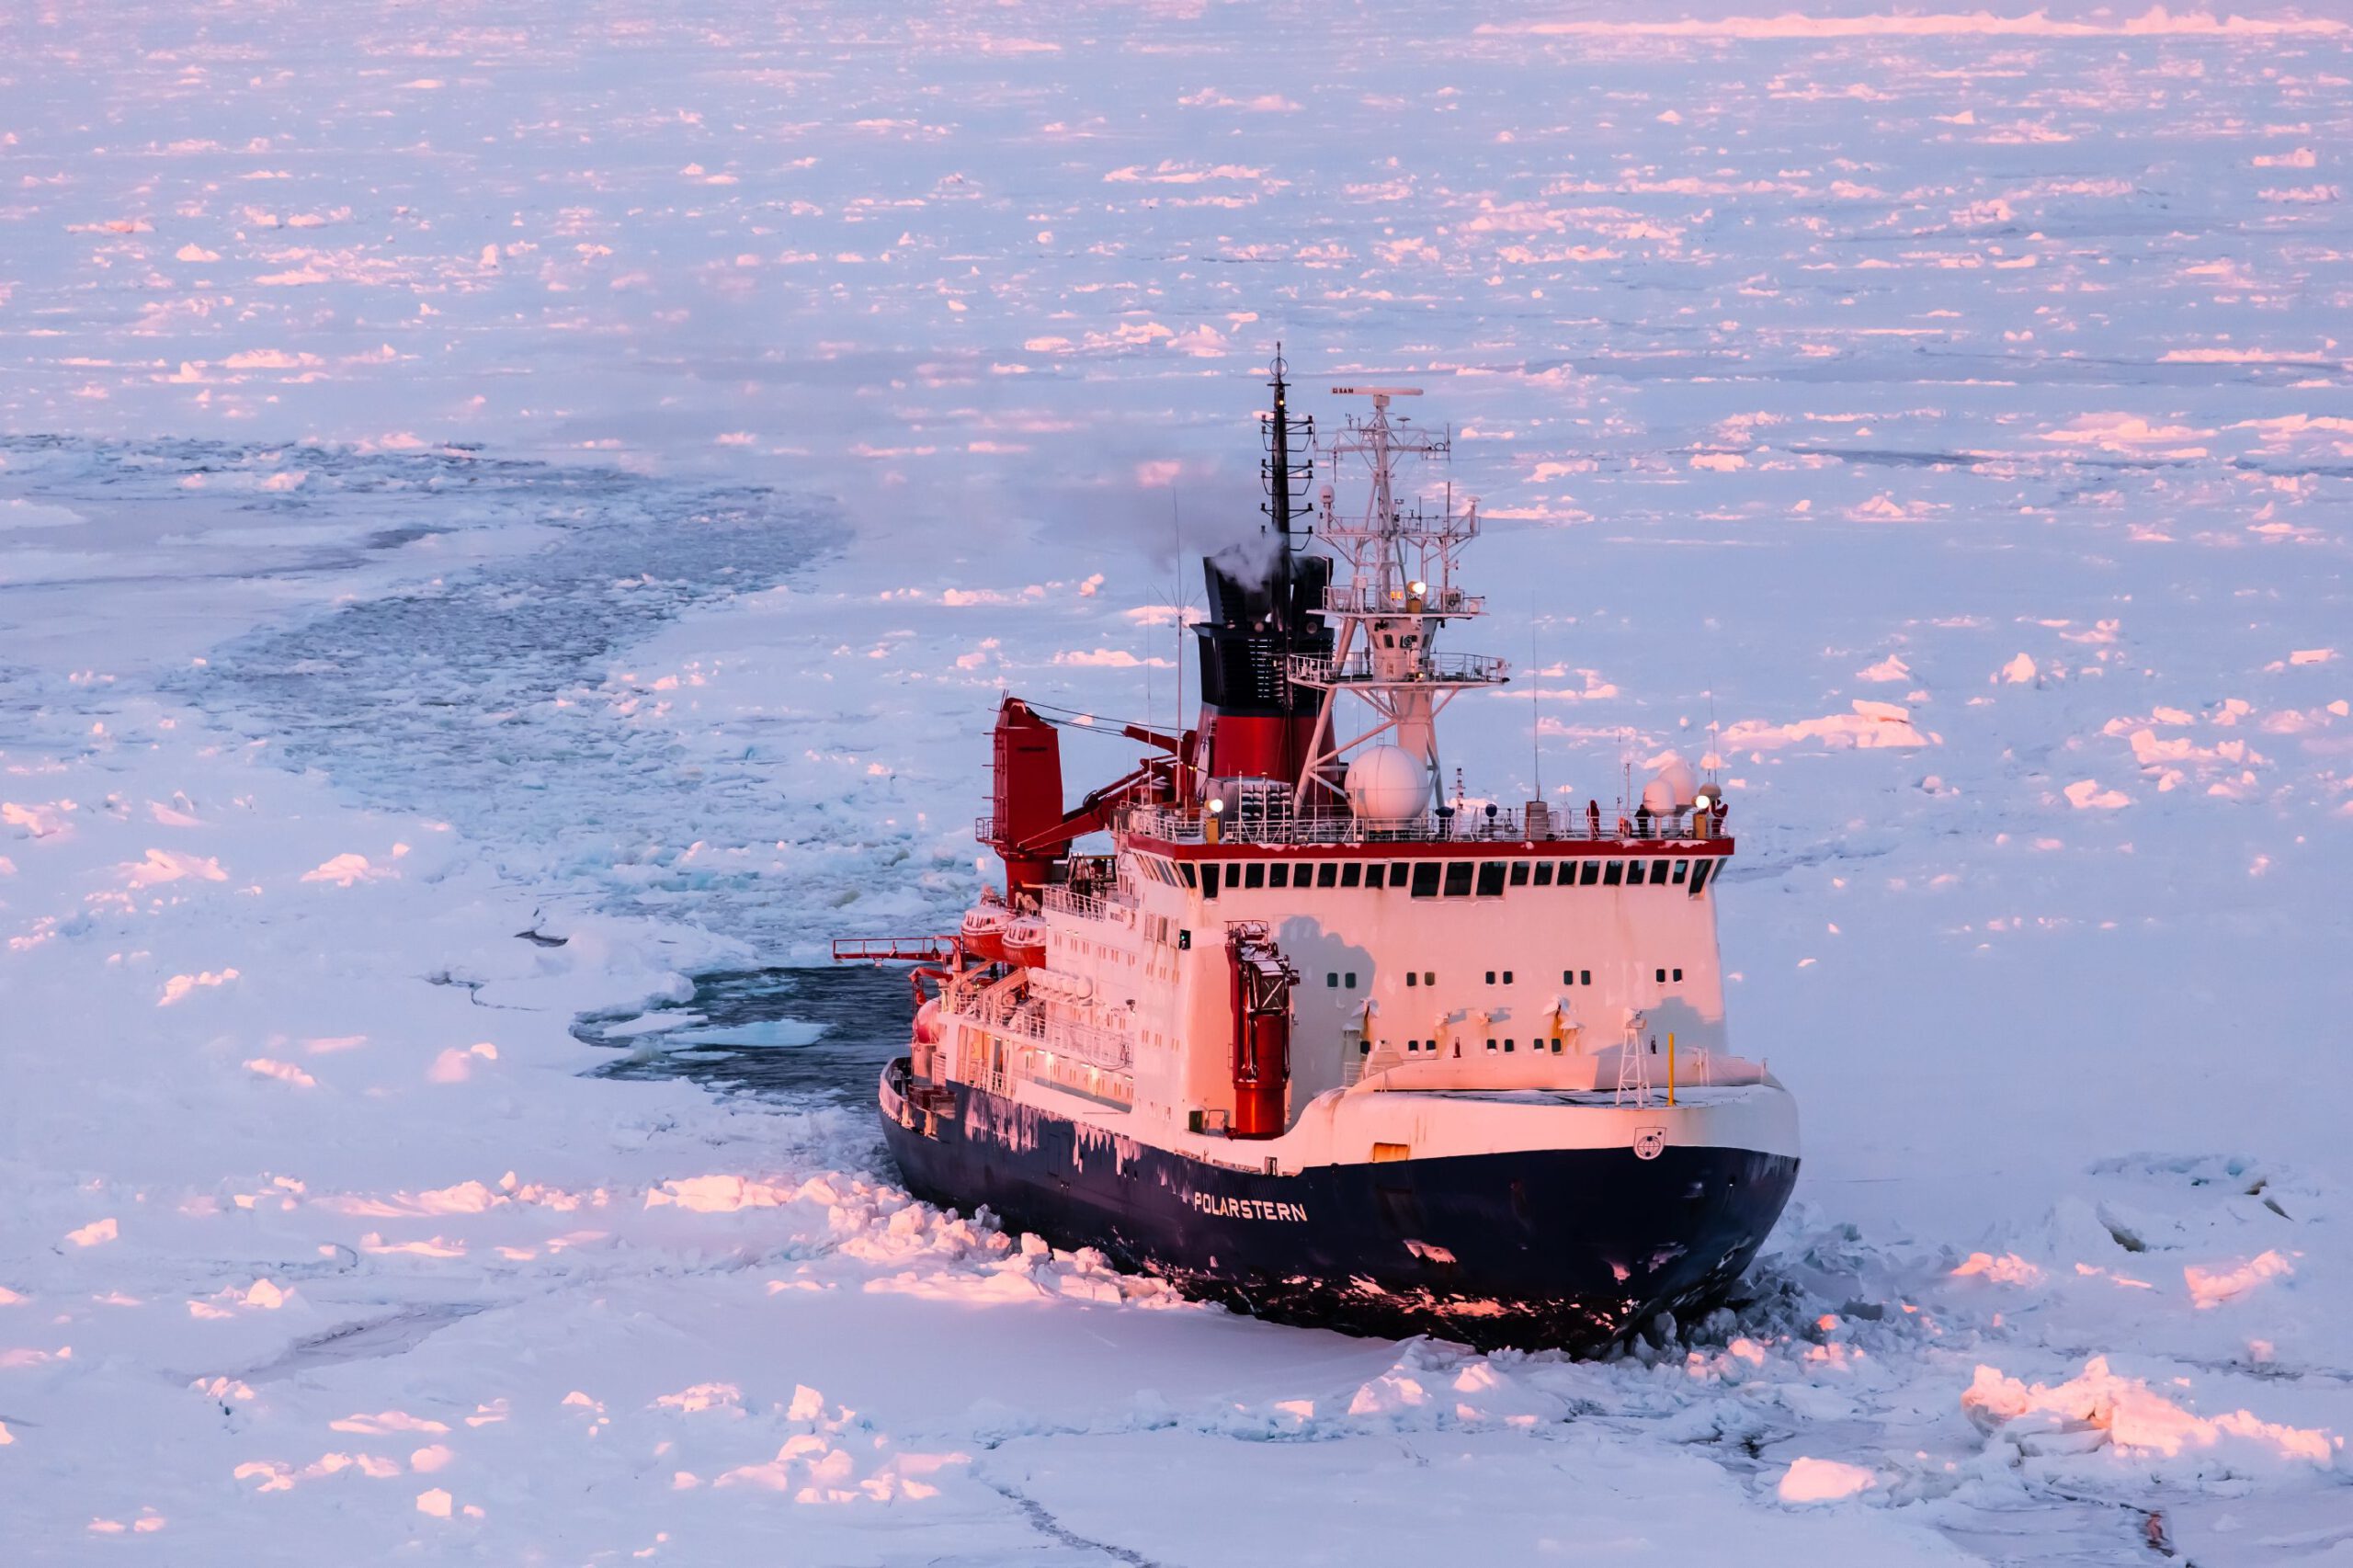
{"x": 1397, "y": 590}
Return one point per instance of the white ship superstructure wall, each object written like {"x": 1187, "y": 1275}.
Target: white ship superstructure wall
{"x": 1466, "y": 965}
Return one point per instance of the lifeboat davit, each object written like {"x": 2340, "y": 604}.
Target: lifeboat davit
{"x": 983, "y": 933}
{"x": 1025, "y": 942}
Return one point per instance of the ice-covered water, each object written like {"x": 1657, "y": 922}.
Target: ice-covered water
{"x": 1950, "y": 406}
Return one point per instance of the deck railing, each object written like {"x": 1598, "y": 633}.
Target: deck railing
{"x": 1112, "y": 1050}
{"x": 1475, "y": 669}
{"x": 1468, "y": 826}
{"x": 1357, "y": 598}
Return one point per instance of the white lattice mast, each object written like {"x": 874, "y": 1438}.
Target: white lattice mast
{"x": 1396, "y": 590}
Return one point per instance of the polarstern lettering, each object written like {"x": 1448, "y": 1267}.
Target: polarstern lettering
{"x": 1247, "y": 1208}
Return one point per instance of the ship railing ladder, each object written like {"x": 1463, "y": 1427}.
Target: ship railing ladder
{"x": 1633, "y": 1070}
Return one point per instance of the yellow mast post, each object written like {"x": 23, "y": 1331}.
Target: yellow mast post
{"x": 1670, "y": 1067}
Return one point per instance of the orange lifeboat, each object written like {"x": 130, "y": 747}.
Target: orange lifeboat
{"x": 983, "y": 933}
{"x": 1025, "y": 942}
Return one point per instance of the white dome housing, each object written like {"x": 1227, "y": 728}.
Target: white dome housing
{"x": 1387, "y": 784}
{"x": 1672, "y": 788}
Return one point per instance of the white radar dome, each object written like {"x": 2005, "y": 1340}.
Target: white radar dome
{"x": 1672, "y": 788}
{"x": 1388, "y": 784}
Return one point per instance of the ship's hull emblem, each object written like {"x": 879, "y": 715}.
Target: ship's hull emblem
{"x": 1649, "y": 1143}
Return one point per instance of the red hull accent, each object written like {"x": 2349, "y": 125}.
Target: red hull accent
{"x": 1261, "y": 997}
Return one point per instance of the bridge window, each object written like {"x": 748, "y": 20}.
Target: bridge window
{"x": 1458, "y": 879}
{"x": 1328, "y": 873}
{"x": 1592, "y": 873}
{"x": 1278, "y": 875}
{"x": 1612, "y": 874}
{"x": 1699, "y": 874}
{"x": 1352, "y": 874}
{"x": 1680, "y": 868}
{"x": 1255, "y": 875}
{"x": 1397, "y": 873}
{"x": 1658, "y": 872}
{"x": 1491, "y": 880}
{"x": 1209, "y": 879}
{"x": 1519, "y": 873}
{"x": 1544, "y": 875}
{"x": 1425, "y": 880}
{"x": 1187, "y": 869}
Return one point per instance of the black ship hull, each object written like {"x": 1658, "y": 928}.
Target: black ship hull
{"x": 1566, "y": 1247}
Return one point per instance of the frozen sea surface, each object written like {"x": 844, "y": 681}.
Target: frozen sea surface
{"x": 510, "y": 522}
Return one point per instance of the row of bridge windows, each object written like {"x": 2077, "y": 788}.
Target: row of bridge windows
{"x": 1447, "y": 879}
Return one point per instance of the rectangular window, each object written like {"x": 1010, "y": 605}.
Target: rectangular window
{"x": 1506, "y": 977}
{"x": 1457, "y": 878}
{"x": 1678, "y": 974}
{"x": 1278, "y": 875}
{"x": 1187, "y": 869}
{"x": 1511, "y": 1045}
{"x": 1545, "y": 874}
{"x": 1658, "y": 873}
{"x": 1699, "y": 874}
{"x": 1332, "y": 978}
{"x": 1429, "y": 977}
{"x": 1425, "y": 880}
{"x": 1491, "y": 879}
{"x": 1397, "y": 874}
{"x": 1209, "y": 879}
{"x": 1352, "y": 978}
{"x": 1613, "y": 873}
{"x": 1680, "y": 868}
{"x": 1491, "y": 1045}
{"x": 1328, "y": 873}
{"x": 1412, "y": 978}
{"x": 1568, "y": 977}
{"x": 1352, "y": 873}
{"x": 1662, "y": 977}
{"x": 1585, "y": 977}
{"x": 1592, "y": 874}
{"x": 1255, "y": 875}
{"x": 1491, "y": 977}
{"x": 1519, "y": 873}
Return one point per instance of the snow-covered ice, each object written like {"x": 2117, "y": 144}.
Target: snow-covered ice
{"x": 505, "y": 513}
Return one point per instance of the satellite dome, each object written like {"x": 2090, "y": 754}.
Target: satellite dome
{"x": 1387, "y": 784}
{"x": 1672, "y": 788}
